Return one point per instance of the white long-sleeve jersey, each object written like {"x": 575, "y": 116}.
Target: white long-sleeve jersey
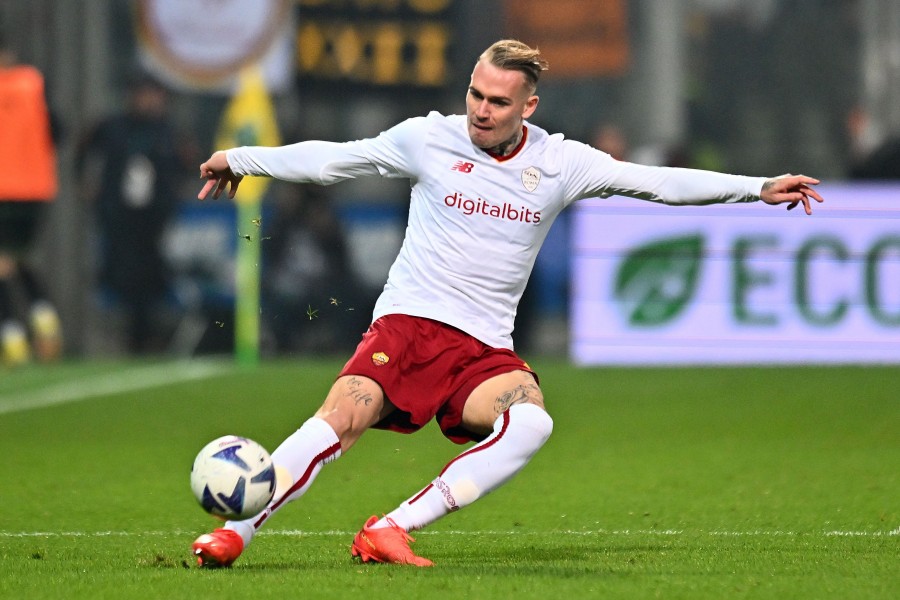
{"x": 476, "y": 220}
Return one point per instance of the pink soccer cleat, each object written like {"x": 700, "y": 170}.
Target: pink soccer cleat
{"x": 386, "y": 545}
{"x": 218, "y": 549}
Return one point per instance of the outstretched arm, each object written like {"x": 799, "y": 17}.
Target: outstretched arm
{"x": 393, "y": 153}
{"x": 791, "y": 190}
{"x": 218, "y": 175}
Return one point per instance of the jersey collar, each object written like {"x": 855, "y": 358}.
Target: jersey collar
{"x": 515, "y": 151}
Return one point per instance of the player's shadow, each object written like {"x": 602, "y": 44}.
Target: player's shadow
{"x": 557, "y": 560}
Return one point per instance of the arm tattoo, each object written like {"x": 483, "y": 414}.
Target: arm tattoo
{"x": 359, "y": 396}
{"x": 519, "y": 395}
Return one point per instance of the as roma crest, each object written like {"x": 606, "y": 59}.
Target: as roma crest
{"x": 531, "y": 177}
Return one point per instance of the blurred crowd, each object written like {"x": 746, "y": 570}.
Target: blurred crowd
{"x": 137, "y": 173}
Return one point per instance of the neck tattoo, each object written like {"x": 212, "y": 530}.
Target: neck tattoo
{"x": 509, "y": 145}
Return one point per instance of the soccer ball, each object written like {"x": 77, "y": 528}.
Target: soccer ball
{"x": 233, "y": 478}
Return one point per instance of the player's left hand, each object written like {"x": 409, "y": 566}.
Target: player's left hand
{"x": 791, "y": 190}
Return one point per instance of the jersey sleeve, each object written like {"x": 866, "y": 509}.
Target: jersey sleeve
{"x": 592, "y": 173}
{"x": 393, "y": 153}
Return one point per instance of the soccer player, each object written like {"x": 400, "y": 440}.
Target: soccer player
{"x": 28, "y": 186}
{"x": 486, "y": 186}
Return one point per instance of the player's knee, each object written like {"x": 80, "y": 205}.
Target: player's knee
{"x": 352, "y": 406}
{"x": 533, "y": 418}
{"x": 347, "y": 425}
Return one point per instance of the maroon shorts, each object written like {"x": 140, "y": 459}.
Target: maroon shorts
{"x": 427, "y": 369}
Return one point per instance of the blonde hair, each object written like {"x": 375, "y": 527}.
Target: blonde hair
{"x": 516, "y": 56}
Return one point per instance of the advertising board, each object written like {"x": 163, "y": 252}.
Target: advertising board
{"x": 731, "y": 284}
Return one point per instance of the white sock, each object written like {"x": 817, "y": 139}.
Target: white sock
{"x": 298, "y": 459}
{"x": 518, "y": 434}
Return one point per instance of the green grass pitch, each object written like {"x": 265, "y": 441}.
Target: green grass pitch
{"x": 669, "y": 483}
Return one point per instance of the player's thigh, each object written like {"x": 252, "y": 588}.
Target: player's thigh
{"x": 352, "y": 406}
{"x": 491, "y": 399}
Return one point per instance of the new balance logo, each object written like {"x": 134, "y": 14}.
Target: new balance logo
{"x": 462, "y": 167}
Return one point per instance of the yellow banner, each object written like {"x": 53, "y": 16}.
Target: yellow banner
{"x": 249, "y": 120}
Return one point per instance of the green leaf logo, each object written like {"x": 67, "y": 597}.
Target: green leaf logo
{"x": 656, "y": 281}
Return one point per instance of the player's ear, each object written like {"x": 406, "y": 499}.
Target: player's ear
{"x": 530, "y": 106}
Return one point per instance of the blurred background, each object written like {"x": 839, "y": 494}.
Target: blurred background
{"x": 136, "y": 91}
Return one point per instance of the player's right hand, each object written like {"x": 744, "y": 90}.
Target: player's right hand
{"x": 218, "y": 175}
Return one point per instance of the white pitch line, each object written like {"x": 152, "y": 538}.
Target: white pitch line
{"x": 598, "y": 533}
{"x": 135, "y": 379}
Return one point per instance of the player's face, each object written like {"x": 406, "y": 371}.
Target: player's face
{"x": 497, "y": 103}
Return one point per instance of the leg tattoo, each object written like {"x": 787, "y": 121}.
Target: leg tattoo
{"x": 518, "y": 395}
{"x": 359, "y": 396}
